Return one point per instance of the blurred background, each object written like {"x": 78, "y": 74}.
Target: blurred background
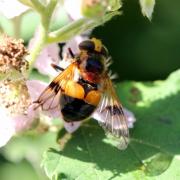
{"x": 141, "y": 50}
{"x": 144, "y": 50}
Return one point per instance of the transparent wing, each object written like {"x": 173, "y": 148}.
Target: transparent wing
{"x": 49, "y": 98}
{"x": 110, "y": 115}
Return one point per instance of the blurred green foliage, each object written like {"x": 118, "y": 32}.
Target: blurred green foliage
{"x": 29, "y": 23}
{"x": 21, "y": 157}
{"x": 143, "y": 50}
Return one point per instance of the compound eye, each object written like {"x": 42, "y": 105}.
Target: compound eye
{"x": 87, "y": 45}
{"x": 94, "y": 66}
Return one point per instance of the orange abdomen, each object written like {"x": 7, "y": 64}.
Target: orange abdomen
{"x": 79, "y": 101}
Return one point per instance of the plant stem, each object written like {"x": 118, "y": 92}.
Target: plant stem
{"x": 26, "y": 2}
{"x": 16, "y": 21}
{"x": 45, "y": 13}
{"x": 38, "y": 6}
{"x": 38, "y": 47}
{"x": 78, "y": 26}
{"x": 1, "y": 30}
{"x": 64, "y": 33}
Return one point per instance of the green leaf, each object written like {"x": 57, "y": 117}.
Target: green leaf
{"x": 28, "y": 146}
{"x": 147, "y": 7}
{"x": 79, "y": 26}
{"x": 27, "y": 29}
{"x": 20, "y": 170}
{"x": 154, "y": 149}
{"x": 115, "y": 4}
{"x": 158, "y": 164}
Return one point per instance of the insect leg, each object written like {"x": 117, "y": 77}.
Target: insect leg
{"x": 71, "y": 53}
{"x": 57, "y": 68}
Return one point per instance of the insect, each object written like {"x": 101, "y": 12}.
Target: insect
{"x": 84, "y": 89}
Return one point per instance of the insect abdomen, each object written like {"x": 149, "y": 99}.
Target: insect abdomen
{"x": 74, "y": 109}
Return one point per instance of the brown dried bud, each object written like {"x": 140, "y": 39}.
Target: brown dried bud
{"x": 12, "y": 53}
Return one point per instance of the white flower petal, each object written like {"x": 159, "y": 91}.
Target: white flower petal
{"x": 7, "y": 129}
{"x": 130, "y": 118}
{"x": 12, "y": 8}
{"x": 23, "y": 122}
{"x": 72, "y": 126}
{"x": 73, "y": 8}
{"x": 49, "y": 55}
{"x": 54, "y": 113}
{"x": 35, "y": 88}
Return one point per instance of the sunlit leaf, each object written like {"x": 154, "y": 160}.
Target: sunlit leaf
{"x": 154, "y": 149}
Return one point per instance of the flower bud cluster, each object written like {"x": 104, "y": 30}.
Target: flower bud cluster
{"x": 12, "y": 53}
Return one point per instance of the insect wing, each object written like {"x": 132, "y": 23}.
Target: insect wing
{"x": 49, "y": 98}
{"x": 110, "y": 115}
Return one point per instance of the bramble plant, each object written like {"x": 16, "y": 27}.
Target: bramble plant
{"x": 88, "y": 153}
{"x": 17, "y": 63}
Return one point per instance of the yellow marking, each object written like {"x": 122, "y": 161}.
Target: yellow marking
{"x": 93, "y": 97}
{"x": 98, "y": 44}
{"x": 74, "y": 90}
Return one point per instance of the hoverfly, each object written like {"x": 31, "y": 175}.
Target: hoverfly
{"x": 84, "y": 89}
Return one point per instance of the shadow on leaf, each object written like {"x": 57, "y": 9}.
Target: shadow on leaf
{"x": 154, "y": 139}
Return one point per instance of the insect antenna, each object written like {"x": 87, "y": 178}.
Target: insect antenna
{"x": 71, "y": 53}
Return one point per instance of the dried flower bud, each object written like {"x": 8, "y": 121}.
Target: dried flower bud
{"x": 12, "y": 62}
